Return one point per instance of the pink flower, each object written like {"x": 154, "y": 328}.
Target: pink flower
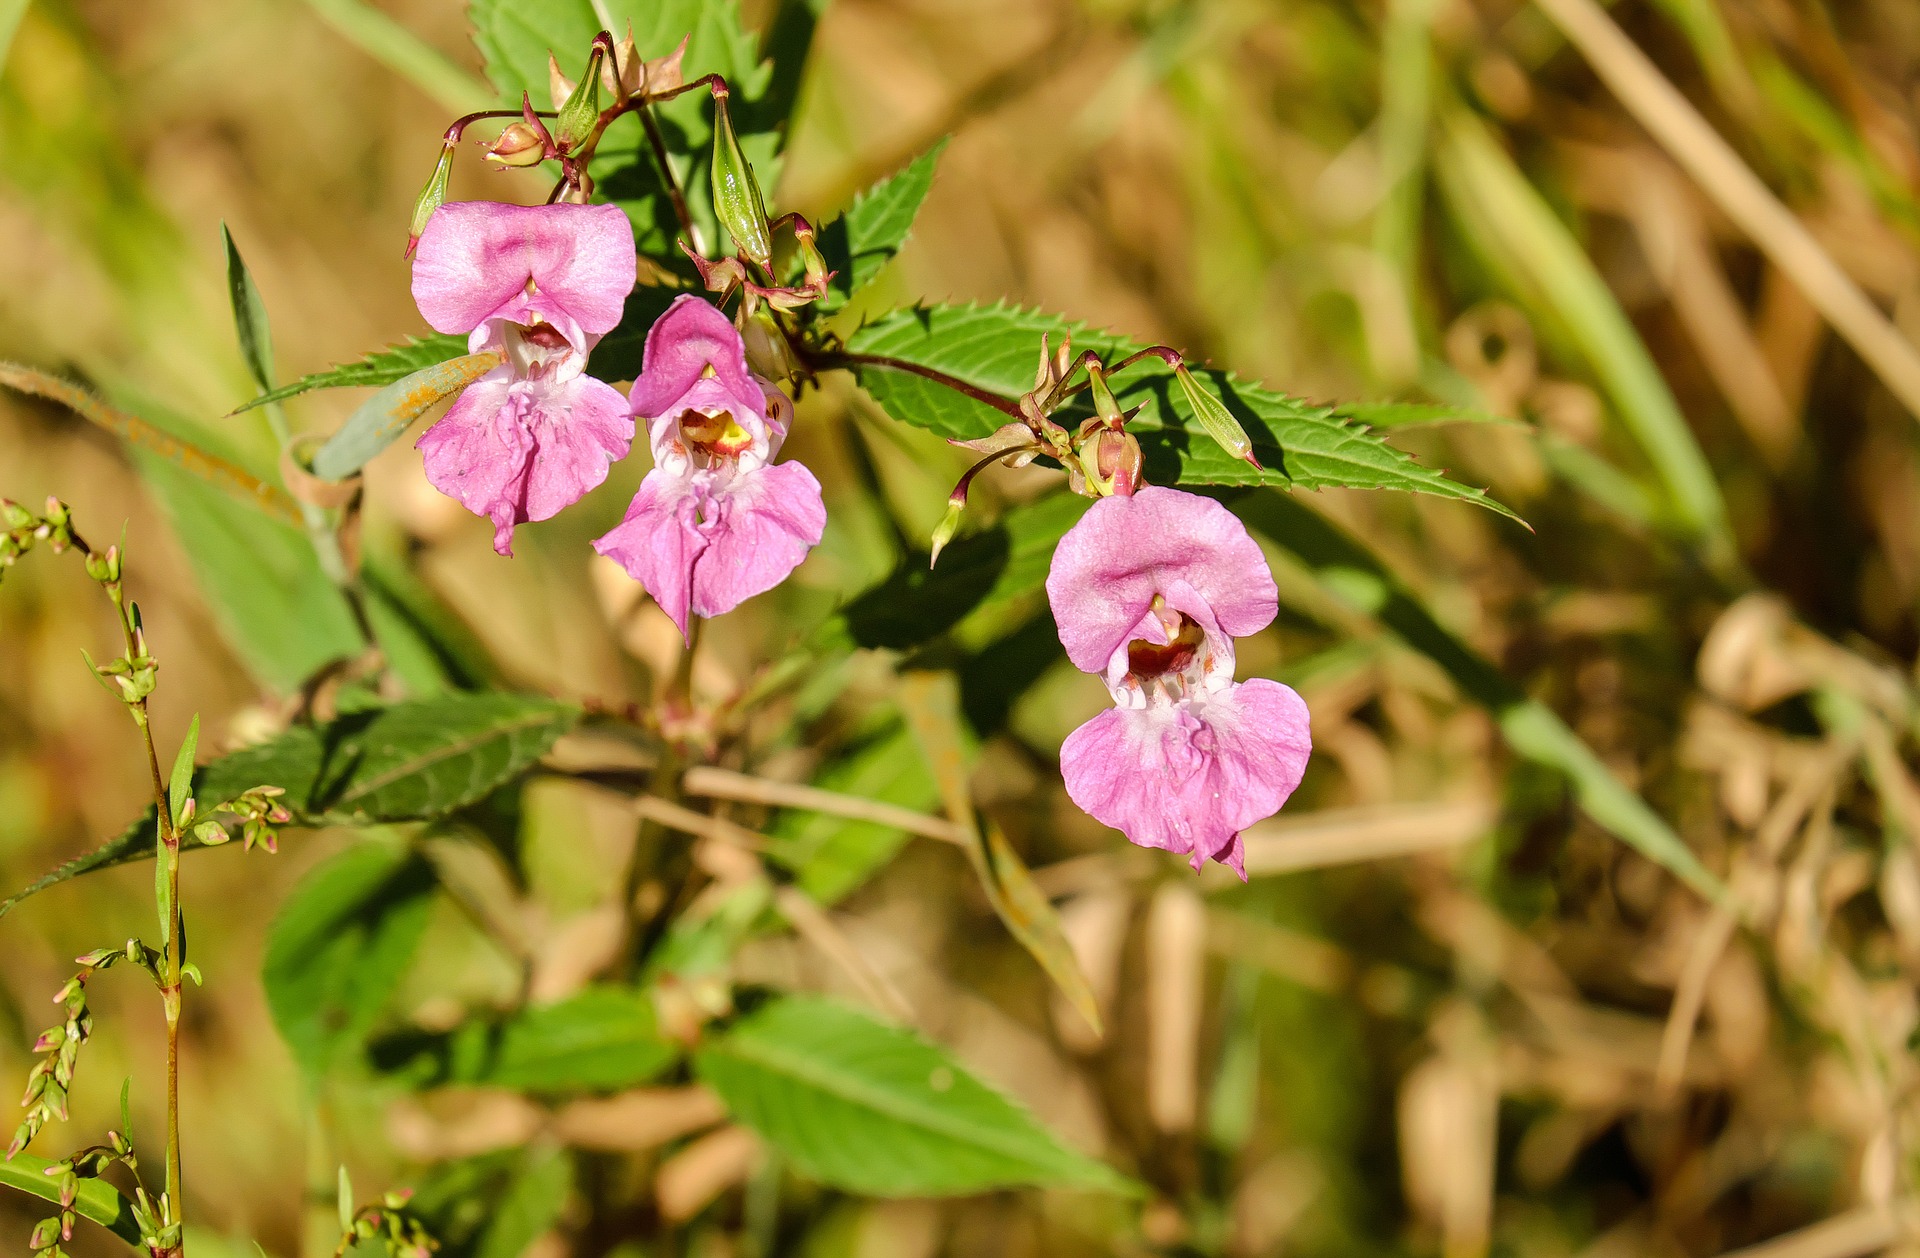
{"x": 542, "y": 284}
{"x": 1149, "y": 591}
{"x": 715, "y": 522}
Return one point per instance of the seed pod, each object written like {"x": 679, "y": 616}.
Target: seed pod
{"x": 1215, "y": 417}
{"x": 431, "y": 198}
{"x": 736, "y": 195}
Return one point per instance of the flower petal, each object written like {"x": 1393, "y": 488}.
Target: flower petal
{"x": 515, "y": 451}
{"x": 690, "y": 337}
{"x": 1188, "y": 777}
{"x": 764, "y": 521}
{"x": 475, "y": 256}
{"x": 581, "y": 427}
{"x": 660, "y": 540}
{"x": 1125, "y": 550}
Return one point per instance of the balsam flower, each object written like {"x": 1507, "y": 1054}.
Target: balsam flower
{"x": 542, "y": 284}
{"x": 716, "y": 521}
{"x": 1149, "y": 590}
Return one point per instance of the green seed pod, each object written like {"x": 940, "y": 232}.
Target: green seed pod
{"x": 1215, "y": 417}
{"x": 431, "y": 198}
{"x": 736, "y": 195}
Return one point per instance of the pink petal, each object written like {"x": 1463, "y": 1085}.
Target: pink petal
{"x": 690, "y": 337}
{"x": 1125, "y": 550}
{"x": 1189, "y": 776}
{"x": 705, "y": 542}
{"x": 519, "y": 451}
{"x": 767, "y": 521}
{"x": 659, "y": 541}
{"x": 475, "y": 256}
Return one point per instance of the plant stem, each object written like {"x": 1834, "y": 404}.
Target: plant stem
{"x": 170, "y": 986}
{"x": 833, "y": 359}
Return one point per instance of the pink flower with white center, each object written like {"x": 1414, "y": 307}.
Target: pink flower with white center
{"x": 716, "y": 521}
{"x": 1149, "y": 590}
{"x": 542, "y": 284}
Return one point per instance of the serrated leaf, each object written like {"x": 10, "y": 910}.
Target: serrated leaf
{"x": 1422, "y": 415}
{"x": 859, "y": 243}
{"x": 873, "y": 1109}
{"x": 380, "y": 420}
{"x": 339, "y": 946}
{"x": 96, "y": 1200}
{"x": 602, "y": 1039}
{"x": 408, "y": 762}
{"x": 997, "y": 347}
{"x": 381, "y": 367}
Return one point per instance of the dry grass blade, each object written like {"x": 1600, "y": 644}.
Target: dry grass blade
{"x": 1343, "y": 836}
{"x": 687, "y": 821}
{"x": 818, "y": 928}
{"x": 1176, "y": 987}
{"x": 139, "y": 433}
{"x": 712, "y": 783}
{"x": 1660, "y": 107}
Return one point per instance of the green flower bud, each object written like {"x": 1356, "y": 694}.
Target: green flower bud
{"x": 518, "y": 145}
{"x": 736, "y": 195}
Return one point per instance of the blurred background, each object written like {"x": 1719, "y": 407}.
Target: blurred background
{"x": 1470, "y": 1020}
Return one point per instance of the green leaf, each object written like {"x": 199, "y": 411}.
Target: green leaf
{"x": 338, "y": 948}
{"x": 382, "y": 418}
{"x": 602, "y": 1039}
{"x": 872, "y": 1109}
{"x": 532, "y": 1205}
{"x": 831, "y": 856}
{"x": 409, "y": 762}
{"x": 263, "y": 584}
{"x": 249, "y": 315}
{"x": 180, "y": 785}
{"x": 97, "y": 1200}
{"x": 859, "y": 243}
{"x": 1421, "y": 415}
{"x": 997, "y": 348}
{"x": 1359, "y": 579}
{"x": 381, "y": 367}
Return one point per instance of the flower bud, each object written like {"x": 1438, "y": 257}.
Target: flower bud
{"x": 518, "y": 145}
{"x": 1215, "y": 417}
{"x": 769, "y": 353}
{"x": 1111, "y": 460}
{"x": 736, "y": 195}
{"x": 432, "y": 197}
{"x": 559, "y": 86}
{"x": 948, "y": 526}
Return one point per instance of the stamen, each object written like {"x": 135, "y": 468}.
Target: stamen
{"x": 1147, "y": 661}
{"x": 714, "y": 433}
